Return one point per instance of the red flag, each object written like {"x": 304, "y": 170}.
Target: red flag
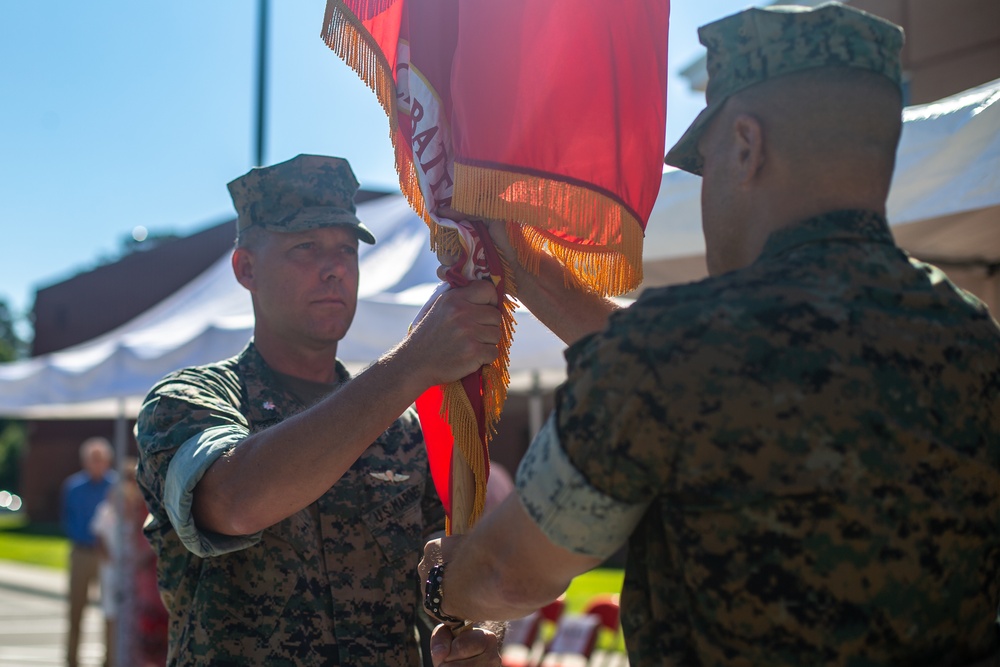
{"x": 548, "y": 115}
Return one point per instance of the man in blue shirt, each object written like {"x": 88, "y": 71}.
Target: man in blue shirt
{"x": 81, "y": 493}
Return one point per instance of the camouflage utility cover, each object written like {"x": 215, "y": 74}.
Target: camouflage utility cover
{"x": 811, "y": 447}
{"x": 306, "y": 192}
{"x": 764, "y": 43}
{"x": 334, "y": 584}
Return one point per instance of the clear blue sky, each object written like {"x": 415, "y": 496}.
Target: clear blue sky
{"x": 120, "y": 113}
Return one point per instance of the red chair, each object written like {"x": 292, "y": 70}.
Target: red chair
{"x": 607, "y": 607}
{"x": 520, "y": 646}
{"x": 576, "y": 634}
{"x": 553, "y": 610}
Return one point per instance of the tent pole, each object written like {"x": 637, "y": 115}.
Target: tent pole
{"x": 121, "y": 428}
{"x": 535, "y": 412}
{"x": 124, "y": 595}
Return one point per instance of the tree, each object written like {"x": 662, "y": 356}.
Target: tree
{"x": 12, "y": 433}
{"x": 137, "y": 242}
{"x": 12, "y": 346}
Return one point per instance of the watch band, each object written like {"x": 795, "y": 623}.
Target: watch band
{"x": 433, "y": 596}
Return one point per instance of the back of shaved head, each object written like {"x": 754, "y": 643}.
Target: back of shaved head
{"x": 832, "y": 124}
{"x": 792, "y": 147}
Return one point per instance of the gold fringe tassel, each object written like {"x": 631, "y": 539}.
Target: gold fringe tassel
{"x": 457, "y": 409}
{"x": 349, "y": 39}
{"x": 465, "y": 430}
{"x": 609, "y": 264}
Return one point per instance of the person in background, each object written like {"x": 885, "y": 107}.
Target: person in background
{"x": 129, "y": 596}
{"x": 82, "y": 492}
{"x": 803, "y": 450}
{"x": 290, "y": 500}
{"x": 106, "y": 529}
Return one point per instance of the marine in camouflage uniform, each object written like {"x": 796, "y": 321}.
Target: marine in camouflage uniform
{"x": 802, "y": 452}
{"x": 332, "y": 584}
{"x": 256, "y": 599}
{"x": 791, "y": 503}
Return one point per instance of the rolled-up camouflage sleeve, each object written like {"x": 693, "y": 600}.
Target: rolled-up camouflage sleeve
{"x": 187, "y": 423}
{"x": 186, "y": 469}
{"x": 596, "y": 466}
{"x": 568, "y": 509}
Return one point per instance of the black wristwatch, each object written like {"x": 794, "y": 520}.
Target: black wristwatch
{"x": 433, "y": 596}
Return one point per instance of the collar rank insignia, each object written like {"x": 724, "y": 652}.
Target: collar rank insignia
{"x": 268, "y": 405}
{"x": 389, "y": 476}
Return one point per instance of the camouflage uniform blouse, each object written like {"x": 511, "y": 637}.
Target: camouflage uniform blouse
{"x": 803, "y": 455}
{"x": 334, "y": 584}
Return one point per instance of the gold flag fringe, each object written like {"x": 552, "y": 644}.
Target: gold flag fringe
{"x": 348, "y": 38}
{"x": 608, "y": 262}
{"x": 445, "y": 239}
{"x": 457, "y": 409}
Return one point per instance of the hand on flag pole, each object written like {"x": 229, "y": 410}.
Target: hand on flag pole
{"x": 458, "y": 419}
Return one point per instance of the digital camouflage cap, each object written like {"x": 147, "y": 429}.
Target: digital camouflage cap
{"x": 759, "y": 44}
{"x": 306, "y": 192}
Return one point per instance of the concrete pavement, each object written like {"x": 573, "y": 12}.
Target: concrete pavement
{"x": 33, "y": 619}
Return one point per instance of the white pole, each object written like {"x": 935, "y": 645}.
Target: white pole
{"x": 124, "y": 593}
{"x": 535, "y": 411}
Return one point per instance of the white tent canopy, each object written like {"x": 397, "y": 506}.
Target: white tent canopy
{"x": 945, "y": 202}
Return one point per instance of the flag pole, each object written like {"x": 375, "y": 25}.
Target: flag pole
{"x": 463, "y": 493}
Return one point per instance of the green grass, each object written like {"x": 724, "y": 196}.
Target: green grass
{"x": 593, "y": 583}
{"x": 38, "y": 545}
